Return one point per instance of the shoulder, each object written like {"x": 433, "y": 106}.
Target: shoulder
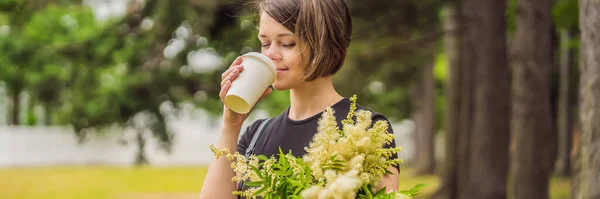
{"x": 343, "y": 108}
{"x": 248, "y": 133}
{"x": 376, "y": 116}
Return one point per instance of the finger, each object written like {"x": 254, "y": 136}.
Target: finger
{"x": 236, "y": 62}
{"x": 232, "y": 76}
{"x": 224, "y": 90}
{"x": 238, "y": 68}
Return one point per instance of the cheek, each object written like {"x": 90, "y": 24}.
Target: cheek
{"x": 294, "y": 60}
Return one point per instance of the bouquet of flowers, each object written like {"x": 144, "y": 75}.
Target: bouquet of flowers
{"x": 340, "y": 163}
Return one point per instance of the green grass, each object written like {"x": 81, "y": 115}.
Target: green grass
{"x": 151, "y": 182}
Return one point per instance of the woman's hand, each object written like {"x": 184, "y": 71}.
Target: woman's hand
{"x": 230, "y": 117}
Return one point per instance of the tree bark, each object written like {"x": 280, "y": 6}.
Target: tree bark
{"x": 453, "y": 103}
{"x": 16, "y": 106}
{"x": 48, "y": 114}
{"x": 587, "y": 173}
{"x": 424, "y": 117}
{"x": 487, "y": 102}
{"x": 564, "y": 122}
{"x": 533, "y": 136}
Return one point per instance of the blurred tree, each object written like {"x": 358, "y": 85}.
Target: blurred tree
{"x": 449, "y": 188}
{"x": 38, "y": 33}
{"x": 533, "y": 151}
{"x": 394, "y": 46}
{"x": 155, "y": 71}
{"x": 587, "y": 163}
{"x": 565, "y": 14}
{"x": 15, "y": 53}
{"x": 101, "y": 73}
{"x": 481, "y": 130}
{"x": 61, "y": 32}
{"x": 423, "y": 114}
{"x": 486, "y": 99}
{"x": 392, "y": 41}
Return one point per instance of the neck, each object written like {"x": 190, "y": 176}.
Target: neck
{"x": 312, "y": 97}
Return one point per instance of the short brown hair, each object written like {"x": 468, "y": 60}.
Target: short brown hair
{"x": 324, "y": 28}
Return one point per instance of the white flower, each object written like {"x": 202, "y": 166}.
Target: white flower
{"x": 401, "y": 196}
{"x": 312, "y": 192}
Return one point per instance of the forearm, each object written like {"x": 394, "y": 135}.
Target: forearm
{"x": 390, "y": 181}
{"x": 217, "y": 183}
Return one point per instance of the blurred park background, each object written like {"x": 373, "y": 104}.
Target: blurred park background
{"x": 119, "y": 98}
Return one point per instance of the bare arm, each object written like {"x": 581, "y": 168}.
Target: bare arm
{"x": 217, "y": 183}
{"x": 390, "y": 181}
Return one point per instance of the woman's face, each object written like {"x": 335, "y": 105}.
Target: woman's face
{"x": 279, "y": 44}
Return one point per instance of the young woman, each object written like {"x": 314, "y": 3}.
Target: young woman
{"x": 308, "y": 41}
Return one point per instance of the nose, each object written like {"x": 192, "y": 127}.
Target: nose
{"x": 273, "y": 52}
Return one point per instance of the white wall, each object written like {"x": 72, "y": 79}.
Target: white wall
{"x": 45, "y": 146}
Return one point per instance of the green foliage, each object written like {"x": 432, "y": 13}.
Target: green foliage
{"x": 338, "y": 162}
{"x": 286, "y": 183}
{"x": 93, "y": 74}
{"x": 511, "y": 15}
{"x": 566, "y": 14}
{"x": 60, "y": 26}
{"x": 389, "y": 48}
{"x": 9, "y": 5}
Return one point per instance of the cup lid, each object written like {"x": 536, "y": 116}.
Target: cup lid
{"x": 263, "y": 58}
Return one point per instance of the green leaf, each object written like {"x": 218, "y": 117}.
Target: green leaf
{"x": 332, "y": 158}
{"x": 254, "y": 184}
{"x": 381, "y": 191}
{"x": 388, "y": 172}
{"x": 262, "y": 157}
{"x": 416, "y": 190}
{"x": 367, "y": 191}
{"x": 257, "y": 171}
{"x": 283, "y": 191}
{"x": 260, "y": 191}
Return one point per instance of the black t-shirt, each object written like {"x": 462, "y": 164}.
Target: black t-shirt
{"x": 294, "y": 135}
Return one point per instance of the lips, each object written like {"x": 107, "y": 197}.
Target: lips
{"x": 281, "y": 69}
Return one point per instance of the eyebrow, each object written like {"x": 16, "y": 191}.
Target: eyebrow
{"x": 279, "y": 35}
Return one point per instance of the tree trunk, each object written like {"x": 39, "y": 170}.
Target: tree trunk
{"x": 488, "y": 125}
{"x": 140, "y": 158}
{"x": 564, "y": 122}
{"x": 16, "y": 106}
{"x": 587, "y": 173}
{"x": 424, "y": 117}
{"x": 453, "y": 103}
{"x": 466, "y": 112}
{"x": 533, "y": 136}
{"x": 48, "y": 114}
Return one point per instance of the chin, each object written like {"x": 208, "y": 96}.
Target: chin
{"x": 280, "y": 86}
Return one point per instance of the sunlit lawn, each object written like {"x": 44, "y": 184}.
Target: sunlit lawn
{"x": 147, "y": 182}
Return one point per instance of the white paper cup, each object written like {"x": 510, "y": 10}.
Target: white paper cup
{"x": 259, "y": 72}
